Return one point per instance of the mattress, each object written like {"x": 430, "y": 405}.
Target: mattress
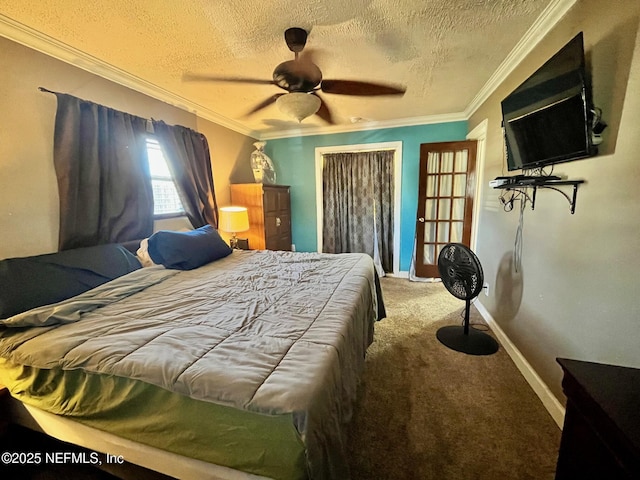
{"x": 250, "y": 362}
{"x": 267, "y": 445}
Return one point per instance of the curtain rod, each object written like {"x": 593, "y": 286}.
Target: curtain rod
{"x": 150, "y": 121}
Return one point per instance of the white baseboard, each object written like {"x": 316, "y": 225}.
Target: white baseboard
{"x": 550, "y": 402}
{"x": 400, "y": 274}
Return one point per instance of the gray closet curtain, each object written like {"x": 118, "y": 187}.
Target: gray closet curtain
{"x": 100, "y": 158}
{"x": 358, "y": 205}
{"x": 187, "y": 153}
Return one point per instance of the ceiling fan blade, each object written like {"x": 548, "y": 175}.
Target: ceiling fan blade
{"x": 352, "y": 87}
{"x": 324, "y": 112}
{"x": 188, "y": 77}
{"x": 264, "y": 103}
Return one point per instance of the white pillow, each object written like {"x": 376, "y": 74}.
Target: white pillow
{"x": 143, "y": 254}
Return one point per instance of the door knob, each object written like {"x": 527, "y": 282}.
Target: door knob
{"x": 278, "y": 222}
{"x": 421, "y": 219}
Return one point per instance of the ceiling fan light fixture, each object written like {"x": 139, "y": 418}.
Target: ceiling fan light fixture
{"x": 298, "y": 105}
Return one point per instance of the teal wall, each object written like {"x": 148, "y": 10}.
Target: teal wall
{"x": 294, "y": 160}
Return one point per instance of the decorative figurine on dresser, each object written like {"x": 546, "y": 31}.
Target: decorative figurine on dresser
{"x": 262, "y": 166}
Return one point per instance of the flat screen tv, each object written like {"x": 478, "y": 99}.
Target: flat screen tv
{"x": 548, "y": 118}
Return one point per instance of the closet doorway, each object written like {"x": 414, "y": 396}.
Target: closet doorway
{"x": 331, "y": 166}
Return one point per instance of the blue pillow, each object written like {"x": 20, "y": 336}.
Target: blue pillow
{"x": 30, "y": 282}
{"x": 187, "y": 250}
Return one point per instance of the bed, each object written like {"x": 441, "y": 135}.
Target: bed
{"x": 232, "y": 364}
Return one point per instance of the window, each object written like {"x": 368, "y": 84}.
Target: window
{"x": 166, "y": 201}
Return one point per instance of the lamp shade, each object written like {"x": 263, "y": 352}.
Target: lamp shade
{"x": 233, "y": 219}
{"x": 298, "y": 105}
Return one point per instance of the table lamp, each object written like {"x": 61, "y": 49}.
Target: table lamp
{"x": 232, "y": 220}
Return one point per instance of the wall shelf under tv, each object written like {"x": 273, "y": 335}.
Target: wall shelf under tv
{"x": 524, "y": 186}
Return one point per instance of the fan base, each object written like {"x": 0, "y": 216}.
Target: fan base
{"x": 473, "y": 343}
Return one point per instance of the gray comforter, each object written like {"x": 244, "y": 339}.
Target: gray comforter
{"x": 269, "y": 332}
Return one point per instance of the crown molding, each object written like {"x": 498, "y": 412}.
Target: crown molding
{"x": 40, "y": 42}
{"x": 362, "y": 126}
{"x": 549, "y": 17}
{"x": 43, "y": 43}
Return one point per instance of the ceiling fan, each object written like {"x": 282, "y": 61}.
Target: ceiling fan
{"x": 302, "y": 80}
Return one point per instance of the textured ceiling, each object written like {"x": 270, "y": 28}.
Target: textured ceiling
{"x": 443, "y": 51}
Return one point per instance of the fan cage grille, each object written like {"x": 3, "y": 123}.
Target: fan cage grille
{"x": 460, "y": 271}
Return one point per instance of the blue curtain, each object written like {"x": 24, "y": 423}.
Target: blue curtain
{"x": 104, "y": 185}
{"x": 187, "y": 154}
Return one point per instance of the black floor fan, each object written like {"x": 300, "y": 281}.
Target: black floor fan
{"x": 462, "y": 275}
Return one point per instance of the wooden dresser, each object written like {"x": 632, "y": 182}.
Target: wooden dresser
{"x": 601, "y": 434}
{"x": 269, "y": 214}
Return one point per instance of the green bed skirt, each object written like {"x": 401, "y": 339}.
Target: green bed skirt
{"x": 267, "y": 445}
